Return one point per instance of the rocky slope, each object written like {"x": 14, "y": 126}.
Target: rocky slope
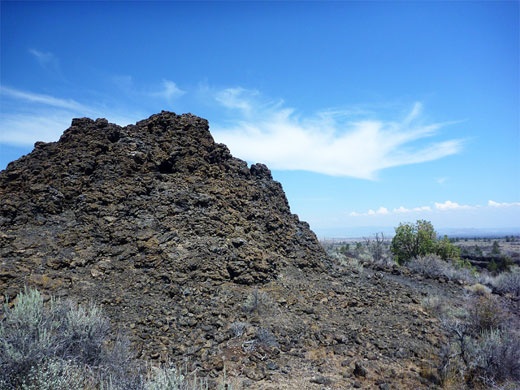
{"x": 198, "y": 258}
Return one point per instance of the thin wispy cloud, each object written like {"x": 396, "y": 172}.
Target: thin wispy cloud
{"x": 166, "y": 89}
{"x": 26, "y": 129}
{"x": 237, "y": 98}
{"x": 327, "y": 142}
{"x": 39, "y": 117}
{"x": 492, "y": 203}
{"x": 47, "y": 60}
{"x": 338, "y": 142}
{"x": 32, "y": 97}
{"x": 123, "y": 82}
{"x": 169, "y": 90}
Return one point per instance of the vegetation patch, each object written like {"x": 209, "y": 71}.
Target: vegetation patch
{"x": 63, "y": 346}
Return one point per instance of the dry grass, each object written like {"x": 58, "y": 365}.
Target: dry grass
{"x": 485, "y": 313}
{"x": 479, "y": 290}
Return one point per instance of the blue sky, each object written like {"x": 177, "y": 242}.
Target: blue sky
{"x": 368, "y": 113}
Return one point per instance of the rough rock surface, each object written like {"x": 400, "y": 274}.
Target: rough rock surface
{"x": 197, "y": 257}
{"x": 160, "y": 196}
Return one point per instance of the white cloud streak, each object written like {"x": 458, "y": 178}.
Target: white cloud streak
{"x": 380, "y": 211}
{"x": 492, "y": 203}
{"x": 23, "y": 129}
{"x": 330, "y": 142}
{"x": 39, "y": 117}
{"x": 402, "y": 209}
{"x": 449, "y": 205}
{"x": 327, "y": 142}
{"x": 445, "y": 206}
{"x": 169, "y": 90}
{"x": 47, "y": 60}
{"x": 237, "y": 98}
{"x": 44, "y": 99}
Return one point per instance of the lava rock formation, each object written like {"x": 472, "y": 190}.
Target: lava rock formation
{"x": 131, "y": 217}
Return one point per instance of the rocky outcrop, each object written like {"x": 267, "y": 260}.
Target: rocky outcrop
{"x": 107, "y": 211}
{"x": 197, "y": 257}
{"x": 158, "y": 195}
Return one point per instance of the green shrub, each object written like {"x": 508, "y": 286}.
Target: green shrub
{"x": 429, "y": 265}
{"x": 432, "y": 266}
{"x": 508, "y": 282}
{"x": 345, "y": 249}
{"x": 165, "y": 378}
{"x": 504, "y": 263}
{"x": 465, "y": 266}
{"x": 492, "y": 266}
{"x": 412, "y": 240}
{"x": 479, "y": 290}
{"x": 32, "y": 335}
{"x": 495, "y": 357}
{"x": 446, "y": 250}
{"x": 496, "y": 248}
{"x": 485, "y": 313}
{"x": 483, "y": 348}
{"x": 477, "y": 251}
{"x": 419, "y": 239}
{"x": 62, "y": 346}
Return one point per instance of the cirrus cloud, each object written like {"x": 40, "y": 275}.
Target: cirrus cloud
{"x": 492, "y": 203}
{"x": 47, "y": 100}
{"x": 40, "y": 117}
{"x": 169, "y": 90}
{"x": 47, "y": 60}
{"x": 332, "y": 142}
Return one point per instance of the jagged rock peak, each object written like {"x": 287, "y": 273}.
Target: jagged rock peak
{"x": 157, "y": 127}
{"x": 157, "y": 192}
{"x": 163, "y": 143}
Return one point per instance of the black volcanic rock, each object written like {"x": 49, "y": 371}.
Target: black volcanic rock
{"x": 198, "y": 259}
{"x": 133, "y": 216}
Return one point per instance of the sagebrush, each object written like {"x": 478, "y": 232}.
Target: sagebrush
{"x": 62, "y": 346}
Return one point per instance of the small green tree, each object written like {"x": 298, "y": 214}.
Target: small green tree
{"x": 477, "y": 250}
{"x": 492, "y": 266}
{"x": 504, "y": 263}
{"x": 496, "y": 248}
{"x": 412, "y": 240}
{"x": 446, "y": 250}
{"x": 419, "y": 239}
{"x": 345, "y": 249}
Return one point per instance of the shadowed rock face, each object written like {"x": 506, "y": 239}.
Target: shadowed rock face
{"x": 110, "y": 212}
